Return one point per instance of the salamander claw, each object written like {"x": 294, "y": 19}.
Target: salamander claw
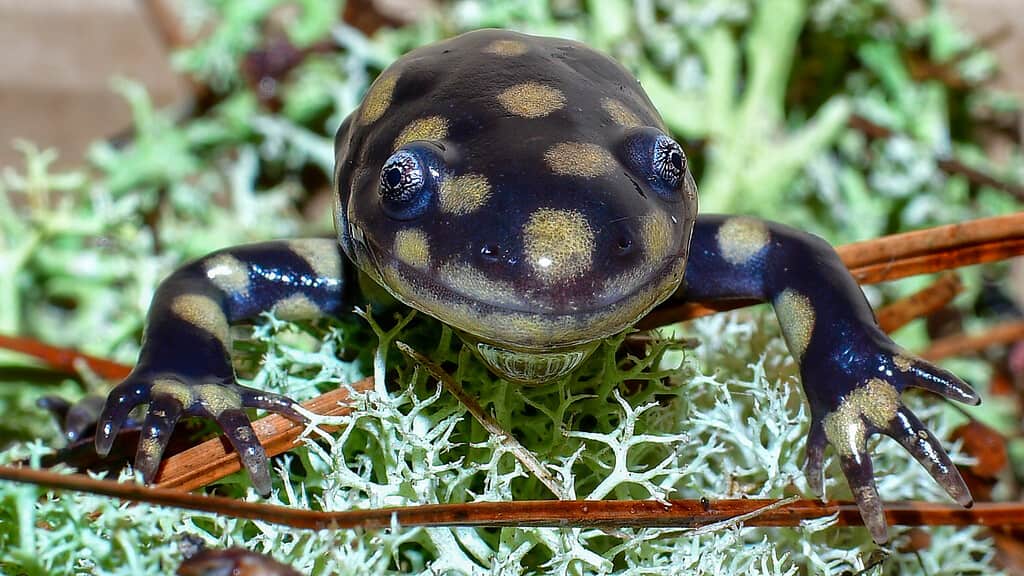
{"x": 813, "y": 468}
{"x": 237, "y": 428}
{"x": 942, "y": 382}
{"x": 75, "y": 420}
{"x": 870, "y": 406}
{"x": 170, "y": 397}
{"x": 860, "y": 476}
{"x": 163, "y": 415}
{"x": 276, "y": 403}
{"x": 922, "y": 445}
{"x": 120, "y": 402}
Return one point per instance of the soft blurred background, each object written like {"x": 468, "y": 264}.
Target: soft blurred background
{"x": 136, "y": 135}
{"x": 59, "y": 57}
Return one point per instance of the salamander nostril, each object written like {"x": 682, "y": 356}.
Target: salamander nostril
{"x": 490, "y": 252}
{"x": 624, "y": 245}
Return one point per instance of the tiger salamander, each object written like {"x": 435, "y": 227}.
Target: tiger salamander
{"x": 524, "y": 191}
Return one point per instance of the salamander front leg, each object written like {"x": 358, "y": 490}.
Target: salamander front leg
{"x": 852, "y": 372}
{"x": 184, "y": 368}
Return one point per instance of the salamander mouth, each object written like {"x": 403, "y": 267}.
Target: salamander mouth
{"x": 514, "y": 327}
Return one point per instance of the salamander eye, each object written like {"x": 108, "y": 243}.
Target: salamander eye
{"x": 405, "y": 181}
{"x": 659, "y": 161}
{"x": 401, "y": 178}
{"x": 669, "y": 162}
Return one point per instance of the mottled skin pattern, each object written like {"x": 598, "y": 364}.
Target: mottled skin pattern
{"x": 522, "y": 190}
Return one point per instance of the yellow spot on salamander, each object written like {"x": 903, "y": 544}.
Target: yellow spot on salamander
{"x": 378, "y": 98}
{"x": 579, "y": 159}
{"x": 320, "y": 254}
{"x": 471, "y": 282}
{"x": 559, "y": 244}
{"x": 796, "y": 316}
{"x": 506, "y": 48}
{"x": 429, "y": 128}
{"x": 657, "y": 236}
{"x": 741, "y": 238}
{"x": 216, "y": 398}
{"x": 296, "y": 307}
{"x": 463, "y": 194}
{"x": 619, "y": 113}
{"x": 150, "y": 447}
{"x": 531, "y": 100}
{"x": 413, "y": 248}
{"x": 875, "y": 403}
{"x": 228, "y": 273}
{"x": 173, "y": 388}
{"x": 903, "y": 363}
{"x": 203, "y": 313}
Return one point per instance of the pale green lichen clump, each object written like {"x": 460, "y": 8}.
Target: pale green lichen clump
{"x": 728, "y": 422}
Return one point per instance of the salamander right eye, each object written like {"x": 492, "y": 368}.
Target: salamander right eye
{"x": 405, "y": 181}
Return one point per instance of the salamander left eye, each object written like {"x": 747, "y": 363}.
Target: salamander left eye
{"x": 658, "y": 161}
{"x": 669, "y": 162}
{"x": 405, "y": 181}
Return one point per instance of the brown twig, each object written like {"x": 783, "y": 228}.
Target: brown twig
{"x": 64, "y": 359}
{"x": 894, "y": 257}
{"x": 922, "y": 303}
{"x": 961, "y": 344}
{"x": 214, "y": 459}
{"x": 553, "y": 513}
{"x": 647, "y": 338}
{"x": 947, "y": 260}
{"x": 939, "y": 239}
{"x": 954, "y": 167}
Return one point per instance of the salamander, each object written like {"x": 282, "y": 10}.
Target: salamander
{"x": 525, "y": 191}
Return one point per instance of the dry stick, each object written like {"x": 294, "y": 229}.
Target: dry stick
{"x": 551, "y": 513}
{"x": 525, "y": 457}
{"x": 921, "y": 303}
{"x": 932, "y": 240}
{"x": 894, "y": 257}
{"x": 64, "y": 359}
{"x": 163, "y": 16}
{"x": 929, "y": 263}
{"x": 960, "y": 344}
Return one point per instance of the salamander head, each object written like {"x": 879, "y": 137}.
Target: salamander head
{"x": 520, "y": 189}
